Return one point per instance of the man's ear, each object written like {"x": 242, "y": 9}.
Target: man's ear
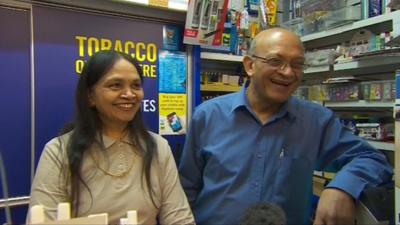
{"x": 248, "y": 65}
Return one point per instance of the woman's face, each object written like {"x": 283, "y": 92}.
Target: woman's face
{"x": 117, "y": 96}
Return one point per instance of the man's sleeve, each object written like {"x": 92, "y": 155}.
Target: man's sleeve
{"x": 359, "y": 164}
{"x": 192, "y": 163}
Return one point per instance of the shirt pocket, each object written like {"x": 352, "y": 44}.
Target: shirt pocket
{"x": 295, "y": 168}
{"x": 293, "y": 181}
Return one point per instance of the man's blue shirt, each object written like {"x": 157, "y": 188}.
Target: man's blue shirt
{"x": 232, "y": 161}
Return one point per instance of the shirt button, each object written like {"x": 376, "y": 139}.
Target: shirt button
{"x": 119, "y": 184}
{"x": 256, "y": 184}
{"x": 121, "y": 156}
{"x": 259, "y": 155}
{"x": 121, "y": 166}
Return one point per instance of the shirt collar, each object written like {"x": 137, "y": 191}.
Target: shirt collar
{"x": 107, "y": 141}
{"x": 241, "y": 101}
{"x": 288, "y": 108}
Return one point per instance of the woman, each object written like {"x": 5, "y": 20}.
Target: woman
{"x": 107, "y": 161}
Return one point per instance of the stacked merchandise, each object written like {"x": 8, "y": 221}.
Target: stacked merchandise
{"x": 349, "y": 91}
{"x": 378, "y": 127}
{"x": 228, "y": 26}
{"x": 310, "y": 16}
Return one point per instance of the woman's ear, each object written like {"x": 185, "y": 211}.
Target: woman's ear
{"x": 248, "y": 64}
{"x": 91, "y": 100}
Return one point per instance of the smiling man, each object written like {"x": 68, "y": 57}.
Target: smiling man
{"x": 262, "y": 145}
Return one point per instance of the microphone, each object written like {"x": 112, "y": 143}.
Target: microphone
{"x": 3, "y": 179}
{"x": 264, "y": 214}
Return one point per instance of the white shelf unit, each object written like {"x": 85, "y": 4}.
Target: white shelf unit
{"x": 378, "y": 67}
{"x": 359, "y": 104}
{"x": 367, "y": 65}
{"x": 225, "y": 64}
{"x": 393, "y": 17}
{"x": 316, "y": 69}
{"x": 382, "y": 145}
{"x": 372, "y": 64}
{"x": 338, "y": 35}
{"x": 363, "y": 105}
{"x": 372, "y": 61}
{"x": 220, "y": 57}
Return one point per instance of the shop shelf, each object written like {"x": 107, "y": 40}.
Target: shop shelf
{"x": 219, "y": 87}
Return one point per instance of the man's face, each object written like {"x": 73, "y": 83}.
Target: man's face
{"x": 276, "y": 68}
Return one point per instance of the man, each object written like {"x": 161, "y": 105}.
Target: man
{"x": 262, "y": 145}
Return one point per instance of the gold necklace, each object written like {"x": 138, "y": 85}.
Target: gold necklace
{"x": 119, "y": 175}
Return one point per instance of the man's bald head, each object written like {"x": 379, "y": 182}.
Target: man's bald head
{"x": 273, "y": 35}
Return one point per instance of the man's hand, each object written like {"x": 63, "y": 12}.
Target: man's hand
{"x": 335, "y": 207}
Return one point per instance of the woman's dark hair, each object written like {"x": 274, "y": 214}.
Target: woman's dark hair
{"x": 87, "y": 123}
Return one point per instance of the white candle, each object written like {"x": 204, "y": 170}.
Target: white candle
{"x": 123, "y": 221}
{"x": 63, "y": 211}
{"x": 37, "y": 214}
{"x": 132, "y": 217}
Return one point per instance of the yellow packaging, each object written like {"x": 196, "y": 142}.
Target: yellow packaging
{"x": 272, "y": 6}
{"x": 254, "y": 29}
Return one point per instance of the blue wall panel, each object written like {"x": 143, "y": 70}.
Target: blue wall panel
{"x": 15, "y": 100}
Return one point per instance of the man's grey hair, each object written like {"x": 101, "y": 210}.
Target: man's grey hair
{"x": 252, "y": 49}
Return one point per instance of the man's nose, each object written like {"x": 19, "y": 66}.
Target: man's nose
{"x": 287, "y": 69}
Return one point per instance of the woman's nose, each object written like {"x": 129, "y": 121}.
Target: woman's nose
{"x": 128, "y": 93}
